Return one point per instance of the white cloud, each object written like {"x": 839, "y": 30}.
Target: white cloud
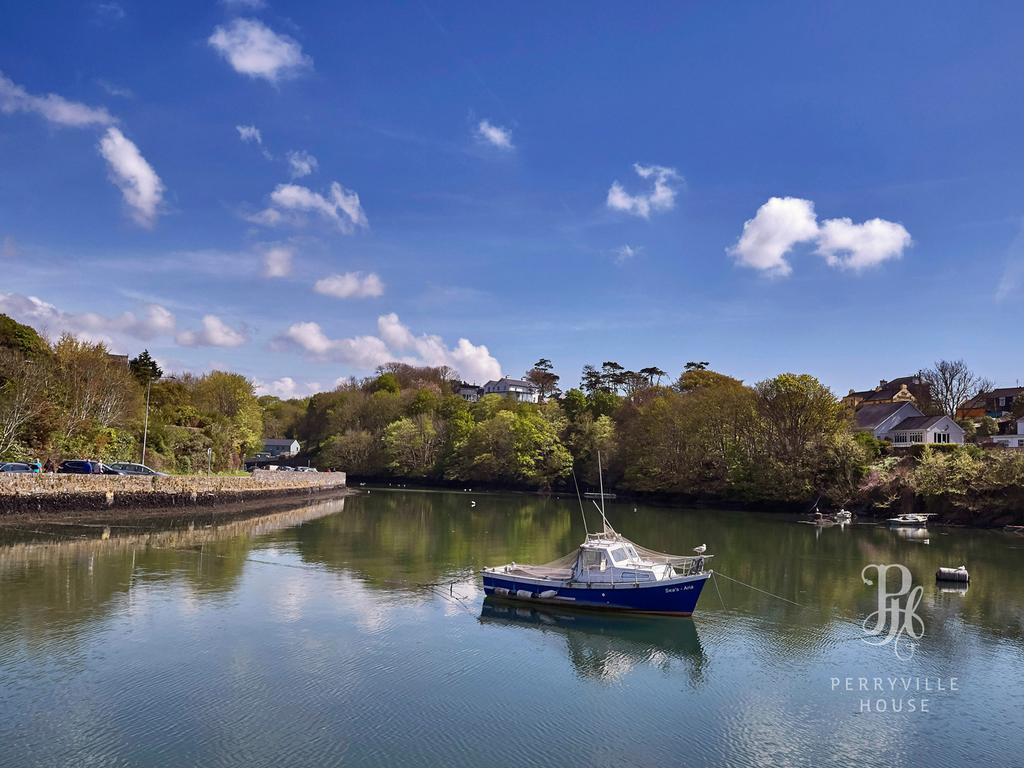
{"x": 858, "y": 246}
{"x": 495, "y": 135}
{"x": 301, "y": 163}
{"x": 249, "y": 133}
{"x": 155, "y": 320}
{"x": 109, "y": 12}
{"x": 214, "y": 333}
{"x": 779, "y": 224}
{"x": 140, "y": 186}
{"x": 51, "y": 107}
{"x": 350, "y": 285}
{"x": 626, "y": 253}
{"x": 342, "y": 207}
{"x": 395, "y": 342}
{"x": 255, "y": 50}
{"x": 783, "y": 222}
{"x": 661, "y": 198}
{"x": 277, "y": 261}
{"x": 115, "y": 90}
{"x": 287, "y": 388}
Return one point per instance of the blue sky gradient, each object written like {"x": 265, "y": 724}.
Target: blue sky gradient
{"x": 909, "y": 113}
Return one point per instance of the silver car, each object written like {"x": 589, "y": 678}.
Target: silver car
{"x": 15, "y": 466}
{"x": 128, "y": 468}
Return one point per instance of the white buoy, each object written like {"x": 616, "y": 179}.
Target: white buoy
{"x": 547, "y": 594}
{"x": 953, "y": 574}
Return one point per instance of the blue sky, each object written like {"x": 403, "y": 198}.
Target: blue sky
{"x": 301, "y": 192}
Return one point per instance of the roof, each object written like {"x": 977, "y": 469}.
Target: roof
{"x": 515, "y": 382}
{"x": 917, "y": 422}
{"x": 279, "y": 441}
{"x": 870, "y": 416}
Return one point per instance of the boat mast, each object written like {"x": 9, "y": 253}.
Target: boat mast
{"x": 600, "y": 480}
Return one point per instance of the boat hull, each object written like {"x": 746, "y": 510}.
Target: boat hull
{"x": 677, "y": 597}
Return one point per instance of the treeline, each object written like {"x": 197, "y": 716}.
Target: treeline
{"x": 784, "y": 440}
{"x": 73, "y": 399}
{"x": 705, "y": 434}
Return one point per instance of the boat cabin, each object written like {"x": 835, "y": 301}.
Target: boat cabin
{"x": 602, "y": 561}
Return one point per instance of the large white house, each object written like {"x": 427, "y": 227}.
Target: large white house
{"x": 280, "y": 447}
{"x": 904, "y": 425}
{"x": 523, "y": 391}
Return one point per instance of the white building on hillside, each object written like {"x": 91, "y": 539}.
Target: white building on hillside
{"x": 903, "y": 425}
{"x": 523, "y": 391}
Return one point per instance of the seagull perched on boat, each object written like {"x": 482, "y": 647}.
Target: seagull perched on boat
{"x": 701, "y": 549}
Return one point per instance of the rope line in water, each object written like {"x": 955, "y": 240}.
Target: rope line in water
{"x": 763, "y": 592}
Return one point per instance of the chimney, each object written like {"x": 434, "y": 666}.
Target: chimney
{"x": 882, "y": 383}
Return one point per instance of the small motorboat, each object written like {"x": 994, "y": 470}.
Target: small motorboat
{"x": 843, "y": 516}
{"x": 914, "y": 520}
{"x": 607, "y": 571}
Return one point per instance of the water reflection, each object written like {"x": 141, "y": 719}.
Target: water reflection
{"x": 607, "y": 646}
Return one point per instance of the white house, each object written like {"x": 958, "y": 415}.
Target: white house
{"x": 523, "y": 391}
{"x": 280, "y": 447}
{"x": 903, "y": 425}
{"x": 1011, "y": 440}
{"x": 925, "y": 429}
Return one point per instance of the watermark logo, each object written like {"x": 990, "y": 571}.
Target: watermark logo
{"x": 896, "y": 620}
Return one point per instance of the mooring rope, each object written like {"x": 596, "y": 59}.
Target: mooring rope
{"x": 756, "y": 589}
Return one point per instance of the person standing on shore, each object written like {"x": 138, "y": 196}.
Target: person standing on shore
{"x": 49, "y": 466}
{"x": 37, "y": 466}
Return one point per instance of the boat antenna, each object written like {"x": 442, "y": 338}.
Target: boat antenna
{"x": 580, "y": 500}
{"x": 600, "y": 480}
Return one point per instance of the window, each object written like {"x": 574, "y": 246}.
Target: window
{"x": 618, "y": 554}
{"x": 900, "y": 437}
{"x": 916, "y": 437}
{"x": 941, "y": 437}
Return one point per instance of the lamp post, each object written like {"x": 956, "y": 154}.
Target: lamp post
{"x": 145, "y": 423}
{"x": 209, "y": 461}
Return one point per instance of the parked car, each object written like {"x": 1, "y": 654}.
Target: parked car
{"x": 84, "y": 467}
{"x": 306, "y": 469}
{"x": 128, "y": 468}
{"x": 15, "y": 466}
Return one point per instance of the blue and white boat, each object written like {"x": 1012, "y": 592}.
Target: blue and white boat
{"x": 608, "y": 572}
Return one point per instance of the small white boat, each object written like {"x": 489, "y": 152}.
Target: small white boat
{"x": 914, "y": 520}
{"x": 843, "y": 515}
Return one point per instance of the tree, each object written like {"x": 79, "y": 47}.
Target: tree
{"x": 411, "y": 446}
{"x": 386, "y": 382}
{"x": 233, "y": 415}
{"x": 23, "y": 339}
{"x": 24, "y": 384}
{"x": 693, "y": 365}
{"x": 952, "y": 384}
{"x": 89, "y": 390}
{"x": 144, "y": 368}
{"x": 653, "y": 374}
{"x": 798, "y": 414}
{"x": 542, "y": 377}
{"x": 574, "y": 403}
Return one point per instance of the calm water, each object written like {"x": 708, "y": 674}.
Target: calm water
{"x": 313, "y": 638}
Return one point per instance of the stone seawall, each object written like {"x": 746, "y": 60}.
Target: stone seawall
{"x": 54, "y": 493}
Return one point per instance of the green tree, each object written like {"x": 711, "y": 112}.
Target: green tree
{"x": 412, "y": 446}
{"x": 22, "y": 339}
{"x": 144, "y": 368}
{"x": 233, "y": 415}
{"x": 542, "y": 376}
{"x": 386, "y": 382}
